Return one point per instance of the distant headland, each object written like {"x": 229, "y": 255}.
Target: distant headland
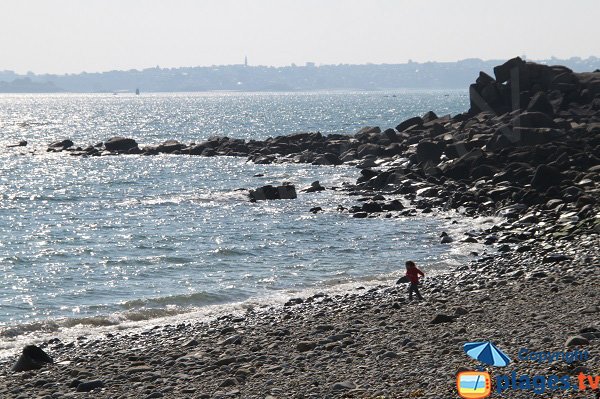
{"x": 244, "y": 77}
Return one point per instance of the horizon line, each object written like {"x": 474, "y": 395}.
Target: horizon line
{"x": 306, "y": 64}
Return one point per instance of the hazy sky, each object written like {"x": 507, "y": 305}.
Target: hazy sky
{"x": 59, "y": 36}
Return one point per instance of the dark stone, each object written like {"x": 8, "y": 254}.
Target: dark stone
{"x": 417, "y": 120}
{"x": 369, "y": 149}
{"x": 21, "y": 143}
{"x": 271, "y": 193}
{"x": 555, "y": 258}
{"x": 576, "y": 340}
{"x": 428, "y": 152}
{"x": 483, "y": 171}
{"x": 327, "y": 159}
{"x": 366, "y": 175}
{"x": 120, "y": 144}
{"x": 394, "y": 205}
{"x": 533, "y": 119}
{"x": 170, "y": 146}
{"x": 61, "y": 144}
{"x": 305, "y": 346}
{"x": 429, "y": 116}
{"x": 360, "y": 215}
{"x": 461, "y": 168}
{"x": 89, "y": 386}
{"x": 314, "y": 187}
{"x": 540, "y": 103}
{"x": 526, "y": 136}
{"x": 390, "y": 134}
{"x": 293, "y": 301}
{"x": 502, "y": 72}
{"x": 546, "y": 176}
{"x": 134, "y": 151}
{"x": 443, "y": 318}
{"x": 369, "y": 130}
{"x": 32, "y": 358}
{"x": 372, "y": 207}
{"x": 196, "y": 149}
{"x": 484, "y": 79}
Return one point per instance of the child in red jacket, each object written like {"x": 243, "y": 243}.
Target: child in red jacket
{"x": 412, "y": 273}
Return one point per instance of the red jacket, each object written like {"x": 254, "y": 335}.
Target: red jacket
{"x": 413, "y": 274}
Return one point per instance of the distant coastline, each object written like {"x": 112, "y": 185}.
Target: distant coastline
{"x": 247, "y": 78}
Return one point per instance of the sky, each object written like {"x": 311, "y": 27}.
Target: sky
{"x": 71, "y": 36}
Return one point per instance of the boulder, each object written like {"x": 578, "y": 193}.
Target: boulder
{"x": 369, "y": 149}
{"x": 546, "y": 176}
{"x": 529, "y": 136}
{"x": 394, "y": 205}
{"x": 89, "y": 386}
{"x": 170, "y": 146}
{"x": 32, "y": 358}
{"x": 540, "y": 103}
{"x": 327, "y": 159}
{"x": 429, "y": 116}
{"x": 461, "y": 168}
{"x": 428, "y": 152}
{"x": 533, "y": 119}
{"x": 502, "y": 72}
{"x": 576, "y": 340}
{"x": 415, "y": 121}
{"x": 314, "y": 187}
{"x": 118, "y": 143}
{"x": 391, "y": 135}
{"x": 443, "y": 318}
{"x": 21, "y": 143}
{"x": 304, "y": 346}
{"x": 269, "y": 192}
{"x": 61, "y": 145}
{"x": 196, "y": 149}
{"x": 372, "y": 207}
{"x": 369, "y": 130}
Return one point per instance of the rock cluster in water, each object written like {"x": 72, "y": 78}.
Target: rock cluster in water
{"x": 529, "y": 148}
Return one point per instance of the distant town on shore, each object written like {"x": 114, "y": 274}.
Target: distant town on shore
{"x": 245, "y": 77}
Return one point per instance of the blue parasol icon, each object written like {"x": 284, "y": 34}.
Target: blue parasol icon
{"x": 486, "y": 352}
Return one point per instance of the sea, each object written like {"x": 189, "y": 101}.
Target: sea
{"x": 118, "y": 242}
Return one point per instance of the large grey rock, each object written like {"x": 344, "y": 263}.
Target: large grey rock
{"x": 271, "y": 193}
{"x": 61, "y": 145}
{"x": 417, "y": 120}
{"x": 90, "y": 385}
{"x": 429, "y": 152}
{"x": 546, "y": 176}
{"x": 170, "y": 146}
{"x": 576, "y": 340}
{"x": 32, "y": 358}
{"x": 443, "y": 318}
{"x": 118, "y": 143}
{"x": 533, "y": 119}
{"x": 343, "y": 385}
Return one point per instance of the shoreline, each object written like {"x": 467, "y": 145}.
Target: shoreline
{"x": 272, "y": 351}
{"x": 15, "y": 336}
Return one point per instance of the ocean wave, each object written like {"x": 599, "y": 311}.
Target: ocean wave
{"x": 46, "y": 326}
{"x": 195, "y": 299}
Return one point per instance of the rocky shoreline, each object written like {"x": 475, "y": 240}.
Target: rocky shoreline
{"x": 528, "y": 150}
